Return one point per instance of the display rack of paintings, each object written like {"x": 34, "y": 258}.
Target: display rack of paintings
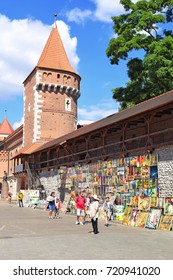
{"x": 153, "y": 218}
{"x": 166, "y": 222}
{"x": 168, "y": 206}
{"x": 141, "y": 219}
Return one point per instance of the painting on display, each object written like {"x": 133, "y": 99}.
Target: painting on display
{"x": 134, "y": 201}
{"x": 153, "y": 218}
{"x": 153, "y": 192}
{"x": 153, "y": 202}
{"x": 165, "y": 222}
{"x": 144, "y": 203}
{"x": 168, "y": 206}
{"x": 125, "y": 219}
{"x": 119, "y": 212}
{"x": 141, "y": 219}
{"x": 133, "y": 217}
{"x": 160, "y": 202}
{"x": 128, "y": 210}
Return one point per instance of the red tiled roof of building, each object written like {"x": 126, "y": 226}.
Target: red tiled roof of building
{"x": 28, "y": 150}
{"x": 5, "y": 127}
{"x": 54, "y": 55}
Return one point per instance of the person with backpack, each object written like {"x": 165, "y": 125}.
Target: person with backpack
{"x": 108, "y": 208}
{"x": 80, "y": 208}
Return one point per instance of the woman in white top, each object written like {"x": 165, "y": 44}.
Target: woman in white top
{"x": 94, "y": 213}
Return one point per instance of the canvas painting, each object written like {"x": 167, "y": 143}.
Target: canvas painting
{"x": 134, "y": 201}
{"x": 125, "y": 219}
{"x": 144, "y": 203}
{"x": 160, "y": 202}
{"x": 153, "y": 218}
{"x": 133, "y": 218}
{"x": 168, "y": 206}
{"x": 141, "y": 219}
{"x": 128, "y": 210}
{"x": 153, "y": 202}
{"x": 165, "y": 222}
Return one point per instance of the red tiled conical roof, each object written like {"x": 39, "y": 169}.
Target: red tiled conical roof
{"x": 54, "y": 55}
{"x": 5, "y": 127}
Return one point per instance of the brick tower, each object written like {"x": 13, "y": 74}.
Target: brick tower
{"x": 51, "y": 92}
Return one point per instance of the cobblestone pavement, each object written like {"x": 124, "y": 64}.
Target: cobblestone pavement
{"x": 28, "y": 234}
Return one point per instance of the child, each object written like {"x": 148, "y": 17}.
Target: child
{"x": 57, "y": 208}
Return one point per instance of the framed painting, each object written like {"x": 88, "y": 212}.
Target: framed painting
{"x": 134, "y": 201}
{"x": 141, "y": 219}
{"x": 128, "y": 210}
{"x": 168, "y": 206}
{"x": 125, "y": 219}
{"x": 165, "y": 222}
{"x": 160, "y": 202}
{"x": 153, "y": 202}
{"x": 133, "y": 217}
{"x": 144, "y": 203}
{"x": 153, "y": 218}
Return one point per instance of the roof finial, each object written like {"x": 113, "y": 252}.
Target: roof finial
{"x": 5, "y": 114}
{"x": 55, "y": 15}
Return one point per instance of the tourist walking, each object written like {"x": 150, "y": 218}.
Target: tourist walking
{"x": 57, "y": 208}
{"x": 20, "y": 199}
{"x": 51, "y": 205}
{"x": 80, "y": 208}
{"x": 108, "y": 208}
{"x": 94, "y": 213}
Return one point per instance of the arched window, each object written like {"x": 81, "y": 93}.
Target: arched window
{"x": 44, "y": 76}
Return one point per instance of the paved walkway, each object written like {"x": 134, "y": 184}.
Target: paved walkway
{"x": 29, "y": 234}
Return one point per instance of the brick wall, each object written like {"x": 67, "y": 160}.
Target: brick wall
{"x": 3, "y": 164}
{"x": 50, "y": 105}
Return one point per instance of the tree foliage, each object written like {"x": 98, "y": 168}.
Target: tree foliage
{"x": 142, "y": 27}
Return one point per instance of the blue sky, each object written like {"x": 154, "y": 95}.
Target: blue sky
{"x": 86, "y": 28}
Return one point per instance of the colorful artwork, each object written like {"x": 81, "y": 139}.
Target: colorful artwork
{"x": 166, "y": 222}
{"x": 133, "y": 161}
{"x": 153, "y": 202}
{"x": 144, "y": 203}
{"x": 153, "y": 218}
{"x": 133, "y": 218}
{"x": 145, "y": 172}
{"x": 119, "y": 212}
{"x": 160, "y": 202}
{"x": 125, "y": 219}
{"x": 134, "y": 201}
{"x": 168, "y": 206}
{"x": 128, "y": 210}
{"x": 153, "y": 192}
{"x": 153, "y": 172}
{"x": 141, "y": 219}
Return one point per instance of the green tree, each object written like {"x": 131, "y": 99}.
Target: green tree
{"x": 142, "y": 27}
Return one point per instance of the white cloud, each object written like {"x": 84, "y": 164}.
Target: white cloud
{"x": 96, "y": 112}
{"x": 78, "y": 16}
{"x": 17, "y": 124}
{"x": 104, "y": 10}
{"x": 20, "y": 49}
